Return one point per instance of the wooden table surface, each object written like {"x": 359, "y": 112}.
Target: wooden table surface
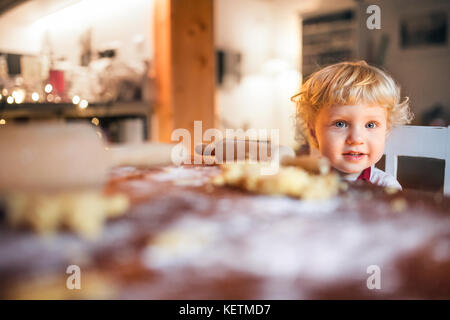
{"x": 186, "y": 239}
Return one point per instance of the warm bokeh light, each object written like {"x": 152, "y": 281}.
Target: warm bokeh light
{"x": 50, "y": 98}
{"x": 10, "y": 100}
{"x": 1, "y": 97}
{"x": 35, "y": 96}
{"x": 2, "y": 121}
{"x": 76, "y": 100}
{"x": 57, "y": 99}
{"x": 48, "y": 88}
{"x": 95, "y": 121}
{"x": 83, "y": 104}
{"x": 19, "y": 96}
{"x": 19, "y": 100}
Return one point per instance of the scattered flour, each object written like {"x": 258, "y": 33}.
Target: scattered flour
{"x": 194, "y": 176}
{"x": 306, "y": 239}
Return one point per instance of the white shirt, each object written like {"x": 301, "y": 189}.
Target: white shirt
{"x": 377, "y": 177}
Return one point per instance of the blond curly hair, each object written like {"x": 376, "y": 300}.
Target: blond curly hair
{"x": 348, "y": 83}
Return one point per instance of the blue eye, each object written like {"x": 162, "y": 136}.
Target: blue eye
{"x": 371, "y": 125}
{"x": 340, "y": 124}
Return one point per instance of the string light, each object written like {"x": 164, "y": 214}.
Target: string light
{"x": 83, "y": 104}
{"x": 76, "y": 100}
{"x": 48, "y": 88}
{"x": 35, "y": 96}
{"x": 2, "y": 121}
{"x": 95, "y": 121}
{"x": 10, "y": 100}
{"x": 19, "y": 96}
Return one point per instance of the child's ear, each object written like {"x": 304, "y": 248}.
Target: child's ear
{"x": 312, "y": 133}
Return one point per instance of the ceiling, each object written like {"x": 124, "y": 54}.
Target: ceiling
{"x": 28, "y": 11}
{"x": 6, "y": 5}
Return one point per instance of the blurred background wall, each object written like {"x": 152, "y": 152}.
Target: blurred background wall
{"x": 423, "y": 72}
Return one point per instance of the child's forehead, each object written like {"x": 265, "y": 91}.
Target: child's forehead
{"x": 360, "y": 109}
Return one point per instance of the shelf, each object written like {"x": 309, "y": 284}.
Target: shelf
{"x": 68, "y": 110}
{"x": 328, "y": 39}
{"x": 329, "y": 27}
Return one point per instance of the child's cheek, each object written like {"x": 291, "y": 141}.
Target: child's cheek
{"x": 378, "y": 149}
{"x": 330, "y": 145}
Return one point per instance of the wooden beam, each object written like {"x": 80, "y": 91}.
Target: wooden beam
{"x": 184, "y": 66}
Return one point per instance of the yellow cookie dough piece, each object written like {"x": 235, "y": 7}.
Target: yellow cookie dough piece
{"x": 42, "y": 213}
{"x": 290, "y": 181}
{"x": 116, "y": 205}
{"x": 83, "y": 212}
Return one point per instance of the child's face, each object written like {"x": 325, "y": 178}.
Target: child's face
{"x": 352, "y": 137}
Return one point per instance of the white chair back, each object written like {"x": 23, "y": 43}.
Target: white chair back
{"x": 419, "y": 141}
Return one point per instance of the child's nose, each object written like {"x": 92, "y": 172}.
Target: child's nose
{"x": 354, "y": 136}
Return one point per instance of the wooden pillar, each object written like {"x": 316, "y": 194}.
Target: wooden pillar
{"x": 184, "y": 66}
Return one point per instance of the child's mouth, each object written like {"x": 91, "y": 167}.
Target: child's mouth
{"x": 354, "y": 156}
